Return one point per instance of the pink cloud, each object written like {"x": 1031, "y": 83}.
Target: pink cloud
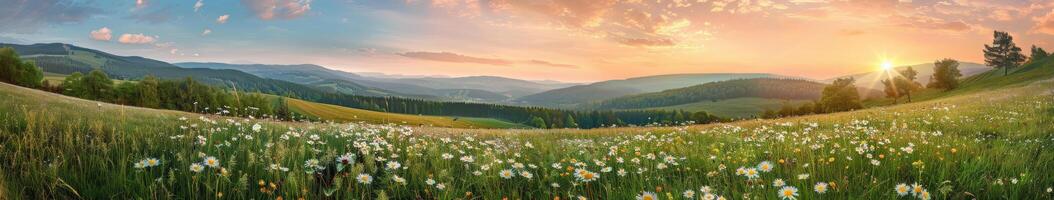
{"x": 1044, "y": 24}
{"x": 223, "y": 19}
{"x": 453, "y": 57}
{"x": 278, "y": 9}
{"x": 136, "y": 39}
{"x": 103, "y": 34}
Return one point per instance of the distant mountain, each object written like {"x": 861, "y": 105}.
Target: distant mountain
{"x": 66, "y": 59}
{"x": 768, "y": 88}
{"x": 475, "y": 88}
{"x": 512, "y": 88}
{"x": 925, "y": 70}
{"x": 575, "y": 95}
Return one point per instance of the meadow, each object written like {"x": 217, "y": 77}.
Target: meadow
{"x": 985, "y": 145}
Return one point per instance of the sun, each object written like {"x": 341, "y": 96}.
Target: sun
{"x": 886, "y": 65}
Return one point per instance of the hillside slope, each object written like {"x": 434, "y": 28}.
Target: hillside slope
{"x": 944, "y": 146}
{"x": 767, "y": 88}
{"x": 21, "y": 96}
{"x": 599, "y": 91}
{"x": 66, "y": 59}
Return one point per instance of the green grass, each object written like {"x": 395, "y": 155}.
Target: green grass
{"x": 344, "y": 114}
{"x": 736, "y": 107}
{"x": 983, "y": 144}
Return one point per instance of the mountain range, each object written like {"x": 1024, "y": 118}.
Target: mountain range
{"x": 490, "y": 89}
{"x": 577, "y": 95}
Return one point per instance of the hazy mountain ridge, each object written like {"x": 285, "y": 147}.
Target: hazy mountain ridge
{"x": 618, "y": 88}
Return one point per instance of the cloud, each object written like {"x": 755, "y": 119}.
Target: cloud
{"x": 136, "y": 39}
{"x": 455, "y": 58}
{"x": 140, "y": 3}
{"x": 1044, "y": 24}
{"x": 28, "y": 16}
{"x": 103, "y": 34}
{"x": 278, "y": 9}
{"x": 206, "y": 32}
{"x": 926, "y": 22}
{"x": 644, "y": 42}
{"x": 223, "y": 19}
{"x": 458, "y": 58}
{"x": 198, "y": 5}
{"x": 550, "y": 64}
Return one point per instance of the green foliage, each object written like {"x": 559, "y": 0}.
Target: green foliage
{"x": 901, "y": 84}
{"x": 1003, "y": 53}
{"x": 97, "y": 86}
{"x": 841, "y": 95}
{"x": 15, "y": 71}
{"x": 1038, "y": 54}
{"x": 537, "y": 122}
{"x": 945, "y": 75}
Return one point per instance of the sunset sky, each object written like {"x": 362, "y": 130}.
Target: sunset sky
{"x": 566, "y": 40}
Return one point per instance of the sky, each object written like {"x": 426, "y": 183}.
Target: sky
{"x": 563, "y": 40}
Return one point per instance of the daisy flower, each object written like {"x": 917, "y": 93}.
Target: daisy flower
{"x": 820, "y": 187}
{"x": 925, "y": 195}
{"x": 688, "y": 194}
{"x": 778, "y": 183}
{"x": 916, "y": 189}
{"x": 788, "y": 192}
{"x": 212, "y": 162}
{"x": 506, "y": 174}
{"x": 752, "y": 173}
{"x": 526, "y": 174}
{"x": 647, "y": 196}
{"x": 393, "y": 165}
{"x": 765, "y": 166}
{"x": 902, "y": 189}
{"x": 195, "y": 167}
{"x": 586, "y": 176}
{"x": 440, "y": 186}
{"x": 709, "y": 196}
{"x": 364, "y": 178}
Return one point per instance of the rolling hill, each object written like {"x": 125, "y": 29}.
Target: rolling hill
{"x": 472, "y": 89}
{"x": 576, "y": 95}
{"x": 925, "y": 70}
{"x": 767, "y": 88}
{"x": 996, "y": 128}
{"x": 65, "y": 59}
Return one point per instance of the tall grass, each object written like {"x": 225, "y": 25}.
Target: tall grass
{"x": 988, "y": 145}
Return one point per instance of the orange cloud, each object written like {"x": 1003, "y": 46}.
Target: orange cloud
{"x": 453, "y": 57}
{"x": 1044, "y": 24}
{"x": 136, "y": 39}
{"x": 103, "y": 34}
{"x": 278, "y": 9}
{"x": 223, "y": 19}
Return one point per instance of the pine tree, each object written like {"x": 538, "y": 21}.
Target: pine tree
{"x": 1003, "y": 53}
{"x": 1038, "y": 53}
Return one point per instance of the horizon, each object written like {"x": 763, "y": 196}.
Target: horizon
{"x": 566, "y": 41}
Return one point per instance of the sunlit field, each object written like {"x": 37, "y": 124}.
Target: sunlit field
{"x": 989, "y": 145}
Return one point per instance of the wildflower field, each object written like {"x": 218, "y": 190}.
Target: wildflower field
{"x": 987, "y": 145}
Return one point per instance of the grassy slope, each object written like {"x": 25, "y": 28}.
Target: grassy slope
{"x": 974, "y": 144}
{"x": 993, "y": 79}
{"x": 736, "y": 107}
{"x": 344, "y": 114}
